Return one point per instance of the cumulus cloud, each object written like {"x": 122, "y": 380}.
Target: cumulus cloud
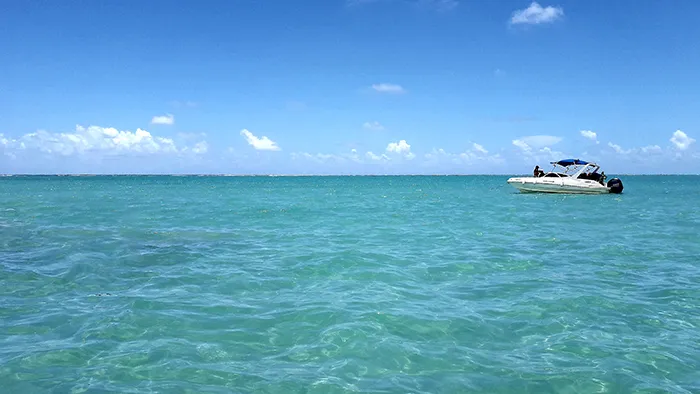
{"x": 681, "y": 140}
{"x": 166, "y": 119}
{"x": 262, "y": 143}
{"x": 590, "y": 135}
{"x": 618, "y": 149}
{"x": 400, "y": 148}
{"x": 388, "y": 88}
{"x": 96, "y": 139}
{"x": 373, "y": 126}
{"x": 535, "y": 14}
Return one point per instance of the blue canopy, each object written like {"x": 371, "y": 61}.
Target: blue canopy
{"x": 570, "y": 162}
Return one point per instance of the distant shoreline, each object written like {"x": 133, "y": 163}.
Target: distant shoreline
{"x": 296, "y": 175}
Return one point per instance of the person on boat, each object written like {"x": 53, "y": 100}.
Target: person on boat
{"x": 538, "y": 172}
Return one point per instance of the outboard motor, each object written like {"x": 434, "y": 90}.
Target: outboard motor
{"x": 615, "y": 186}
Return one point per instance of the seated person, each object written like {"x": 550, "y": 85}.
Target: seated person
{"x": 538, "y": 172}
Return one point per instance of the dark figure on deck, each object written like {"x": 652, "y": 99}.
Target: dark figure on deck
{"x": 538, "y": 172}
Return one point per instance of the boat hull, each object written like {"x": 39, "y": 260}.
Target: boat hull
{"x": 557, "y": 185}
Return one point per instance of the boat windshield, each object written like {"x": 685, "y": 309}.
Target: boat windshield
{"x": 576, "y": 168}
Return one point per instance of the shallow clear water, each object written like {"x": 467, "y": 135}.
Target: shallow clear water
{"x": 342, "y": 284}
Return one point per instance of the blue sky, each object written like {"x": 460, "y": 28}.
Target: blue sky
{"x": 348, "y": 86}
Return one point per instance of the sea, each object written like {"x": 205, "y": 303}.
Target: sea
{"x": 348, "y": 284}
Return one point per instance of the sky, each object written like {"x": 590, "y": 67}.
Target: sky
{"x": 348, "y": 86}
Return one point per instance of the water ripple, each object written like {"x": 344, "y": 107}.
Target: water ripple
{"x": 354, "y": 284}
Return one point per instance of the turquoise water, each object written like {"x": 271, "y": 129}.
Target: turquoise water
{"x": 347, "y": 284}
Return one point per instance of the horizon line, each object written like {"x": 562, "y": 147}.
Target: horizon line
{"x": 9, "y": 175}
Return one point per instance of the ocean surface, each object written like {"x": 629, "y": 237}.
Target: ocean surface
{"x": 443, "y": 284}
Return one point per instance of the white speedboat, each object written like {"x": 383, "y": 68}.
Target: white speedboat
{"x": 577, "y": 177}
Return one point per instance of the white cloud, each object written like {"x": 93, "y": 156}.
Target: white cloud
{"x": 93, "y": 139}
{"x": 521, "y": 144}
{"x": 440, "y": 157}
{"x": 536, "y": 142}
{"x": 318, "y": 157}
{"x": 436, "y": 153}
{"x": 539, "y": 141}
{"x": 681, "y": 140}
{"x": 401, "y": 148}
{"x": 167, "y": 119}
{"x": 262, "y": 143}
{"x": 200, "y": 147}
{"x": 651, "y": 149}
{"x": 536, "y": 14}
{"x": 618, "y": 149}
{"x": 374, "y": 157}
{"x": 590, "y": 135}
{"x": 373, "y": 126}
{"x": 398, "y": 147}
{"x": 354, "y": 156}
{"x": 479, "y": 148}
{"x": 4, "y": 143}
{"x": 477, "y": 153}
{"x": 388, "y": 88}
{"x": 533, "y": 148}
{"x": 546, "y": 154}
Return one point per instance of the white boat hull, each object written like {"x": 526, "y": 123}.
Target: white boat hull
{"x": 557, "y": 185}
